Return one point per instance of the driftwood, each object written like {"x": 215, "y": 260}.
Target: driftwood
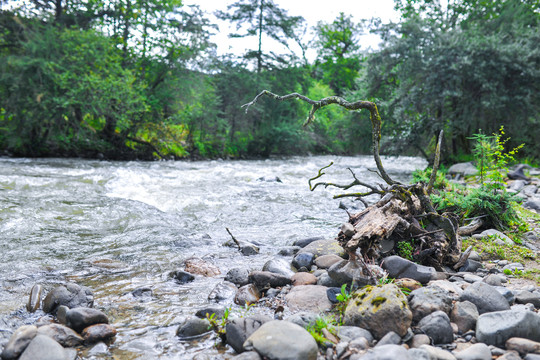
{"x": 404, "y": 213}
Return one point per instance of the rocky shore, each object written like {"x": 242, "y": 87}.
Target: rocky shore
{"x": 310, "y": 302}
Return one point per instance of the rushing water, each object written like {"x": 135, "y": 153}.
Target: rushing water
{"x": 117, "y": 227}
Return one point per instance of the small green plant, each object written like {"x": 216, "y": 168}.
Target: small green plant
{"x": 405, "y": 249}
{"x": 316, "y": 328}
{"x": 424, "y": 175}
{"x": 344, "y": 296}
{"x": 218, "y": 325}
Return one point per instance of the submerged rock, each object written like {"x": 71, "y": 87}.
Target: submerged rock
{"x": 198, "y": 266}
{"x": 70, "y": 295}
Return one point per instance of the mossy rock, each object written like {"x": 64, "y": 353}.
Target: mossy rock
{"x": 324, "y": 247}
{"x": 379, "y": 309}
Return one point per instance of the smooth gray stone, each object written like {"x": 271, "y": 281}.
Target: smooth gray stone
{"x": 192, "y": 327}
{"x": 61, "y": 334}
{"x": 506, "y": 293}
{"x": 496, "y": 327}
{"x": 527, "y": 297}
{"x": 531, "y": 357}
{"x": 224, "y": 291}
{"x": 464, "y": 314}
{"x": 348, "y": 333}
{"x": 465, "y": 169}
{"x": 238, "y": 330}
{"x": 248, "y": 355}
{"x": 238, "y": 276}
{"x": 282, "y": 340}
{"x": 43, "y": 348}
{"x": 70, "y": 295}
{"x": 426, "y": 300}
{"x": 418, "y": 354}
{"x": 387, "y": 352}
{"x": 398, "y": 267}
{"x": 475, "y": 352}
{"x": 80, "y": 317}
{"x": 266, "y": 279}
{"x": 485, "y": 297}
{"x": 18, "y": 341}
{"x": 437, "y": 327}
{"x": 278, "y": 266}
{"x": 390, "y": 338}
{"x": 347, "y": 272}
{"x": 303, "y": 260}
{"x": 303, "y": 319}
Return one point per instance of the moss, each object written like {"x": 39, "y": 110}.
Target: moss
{"x": 378, "y": 301}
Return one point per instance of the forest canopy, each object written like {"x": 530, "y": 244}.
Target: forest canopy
{"x": 127, "y": 79}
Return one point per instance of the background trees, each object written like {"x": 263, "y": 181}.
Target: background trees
{"x": 140, "y": 79}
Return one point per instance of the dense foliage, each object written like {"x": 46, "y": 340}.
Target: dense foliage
{"x": 140, "y": 79}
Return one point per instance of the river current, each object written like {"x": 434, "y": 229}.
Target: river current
{"x": 120, "y": 226}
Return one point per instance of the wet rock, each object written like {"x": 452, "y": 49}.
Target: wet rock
{"x": 348, "y": 333}
{"x": 527, "y": 297}
{"x": 198, "y": 266}
{"x": 238, "y": 330}
{"x": 18, "y": 342}
{"x": 61, "y": 314}
{"x": 223, "y": 291}
{"x": 99, "y": 349}
{"x": 437, "y": 326}
{"x": 61, "y": 334}
{"x": 238, "y": 276}
{"x": 303, "y": 278}
{"x": 475, "y": 352}
{"x": 98, "y": 332}
{"x": 142, "y": 292}
{"x": 379, "y": 309}
{"x": 390, "y": 338}
{"x": 397, "y": 267}
{"x": 289, "y": 250}
{"x": 246, "y": 295}
{"x": 303, "y": 260}
{"x": 282, "y": 340}
{"x": 464, "y": 315}
{"x": 324, "y": 247}
{"x": 266, "y": 279}
{"x": 34, "y": 301}
{"x": 305, "y": 242}
{"x": 70, "y": 295}
{"x": 270, "y": 179}
{"x": 43, "y": 348}
{"x": 326, "y": 261}
{"x": 523, "y": 346}
{"x": 308, "y": 298}
{"x": 485, "y": 297}
{"x": 496, "y": 328}
{"x": 278, "y": 266}
{"x": 419, "y": 340}
{"x": 346, "y": 272}
{"x": 427, "y": 300}
{"x": 497, "y": 237}
{"x": 386, "y": 352}
{"x": 181, "y": 276}
{"x": 79, "y": 318}
{"x": 192, "y": 327}
{"x": 437, "y": 353}
{"x": 208, "y": 311}
{"x": 248, "y": 249}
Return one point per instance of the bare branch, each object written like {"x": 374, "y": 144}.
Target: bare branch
{"x": 357, "y": 105}
{"x": 318, "y": 175}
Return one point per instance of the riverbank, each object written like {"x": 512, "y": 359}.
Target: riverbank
{"x": 304, "y": 296}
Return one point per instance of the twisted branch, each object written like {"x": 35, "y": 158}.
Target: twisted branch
{"x": 357, "y": 105}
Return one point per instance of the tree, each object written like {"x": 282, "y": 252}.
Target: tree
{"x": 338, "y": 52}
{"x": 261, "y": 17}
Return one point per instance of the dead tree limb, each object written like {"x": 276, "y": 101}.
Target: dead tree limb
{"x": 357, "y": 105}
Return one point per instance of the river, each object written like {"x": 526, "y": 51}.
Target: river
{"x": 120, "y": 226}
